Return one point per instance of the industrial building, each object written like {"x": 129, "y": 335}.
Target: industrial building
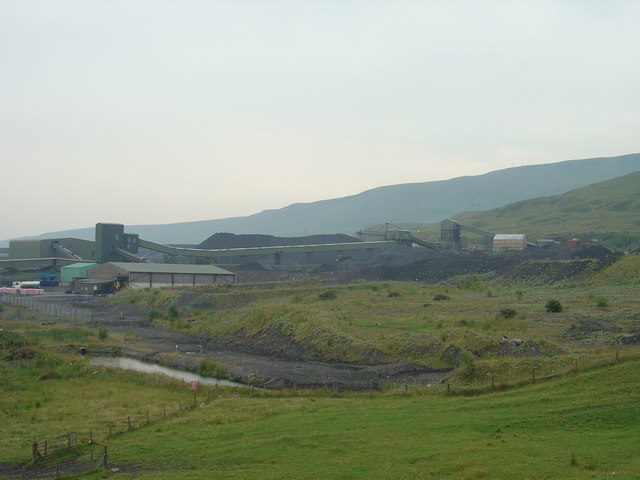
{"x": 504, "y": 242}
{"x": 67, "y": 248}
{"x": 141, "y": 275}
{"x": 75, "y": 270}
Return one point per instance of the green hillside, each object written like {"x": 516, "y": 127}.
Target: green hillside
{"x": 609, "y": 211}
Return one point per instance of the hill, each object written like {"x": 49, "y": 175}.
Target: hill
{"x": 606, "y": 210}
{"x": 412, "y": 202}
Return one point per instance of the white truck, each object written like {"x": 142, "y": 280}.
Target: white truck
{"x": 27, "y": 284}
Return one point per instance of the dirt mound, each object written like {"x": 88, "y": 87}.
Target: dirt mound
{"x": 598, "y": 253}
{"x": 231, "y": 240}
{"x": 585, "y": 329}
{"x": 441, "y": 267}
{"x": 543, "y": 272}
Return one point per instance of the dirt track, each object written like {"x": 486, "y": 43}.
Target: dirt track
{"x": 186, "y": 352}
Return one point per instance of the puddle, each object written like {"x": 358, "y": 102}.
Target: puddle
{"x": 138, "y": 366}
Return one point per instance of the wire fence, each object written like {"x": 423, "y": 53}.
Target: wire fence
{"x": 78, "y": 452}
{"x": 47, "y": 307}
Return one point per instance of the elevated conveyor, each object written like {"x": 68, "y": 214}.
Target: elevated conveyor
{"x": 239, "y": 252}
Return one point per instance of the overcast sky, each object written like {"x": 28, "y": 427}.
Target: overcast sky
{"x": 165, "y": 111}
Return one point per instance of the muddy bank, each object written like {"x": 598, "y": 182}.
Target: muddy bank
{"x": 277, "y": 369}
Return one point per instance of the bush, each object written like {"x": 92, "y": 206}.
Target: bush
{"x": 441, "y": 296}
{"x": 602, "y": 302}
{"x": 11, "y": 340}
{"x": 507, "y": 313}
{"x": 103, "y": 333}
{"x": 173, "y": 312}
{"x": 468, "y": 371}
{"x": 206, "y": 368}
{"x": 328, "y": 295}
{"x": 553, "y": 306}
{"x": 153, "y": 315}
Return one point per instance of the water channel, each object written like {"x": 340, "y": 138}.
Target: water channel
{"x": 138, "y": 366}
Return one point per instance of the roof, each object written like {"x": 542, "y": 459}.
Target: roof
{"x": 171, "y": 268}
{"x": 81, "y": 265}
{"x": 509, "y": 236}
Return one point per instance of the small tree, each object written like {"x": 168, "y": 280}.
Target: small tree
{"x": 553, "y": 306}
{"x": 507, "y": 313}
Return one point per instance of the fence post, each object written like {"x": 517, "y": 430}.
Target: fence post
{"x": 45, "y": 448}
{"x": 147, "y": 417}
{"x": 104, "y": 457}
{"x": 34, "y": 449}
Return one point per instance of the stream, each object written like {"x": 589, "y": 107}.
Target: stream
{"x": 138, "y": 366}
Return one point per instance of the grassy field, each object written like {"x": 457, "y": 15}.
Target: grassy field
{"x": 406, "y": 321}
{"x": 581, "y": 425}
{"x": 570, "y": 424}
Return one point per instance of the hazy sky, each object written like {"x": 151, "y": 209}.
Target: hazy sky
{"x": 165, "y": 111}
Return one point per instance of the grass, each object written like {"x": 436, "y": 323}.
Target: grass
{"x": 402, "y": 321}
{"x": 607, "y": 208}
{"x": 580, "y": 426}
{"x": 577, "y": 425}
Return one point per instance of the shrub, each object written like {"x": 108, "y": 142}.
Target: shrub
{"x": 153, "y": 315}
{"x": 173, "y": 312}
{"x": 393, "y": 294}
{"x": 553, "y": 306}
{"x": 519, "y": 294}
{"x": 103, "y": 333}
{"x": 507, "y": 313}
{"x": 206, "y": 368}
{"x": 24, "y": 352}
{"x": 441, "y": 296}
{"x": 602, "y": 302}
{"x": 468, "y": 371}
{"x": 11, "y": 340}
{"x": 489, "y": 294}
{"x": 328, "y": 295}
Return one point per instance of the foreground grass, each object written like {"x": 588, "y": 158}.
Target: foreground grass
{"x": 533, "y": 432}
{"x": 589, "y": 418}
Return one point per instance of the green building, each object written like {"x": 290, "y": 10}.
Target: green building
{"x": 75, "y": 270}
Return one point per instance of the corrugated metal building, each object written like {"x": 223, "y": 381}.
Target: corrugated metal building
{"x": 46, "y": 248}
{"x": 504, "y": 242}
{"x": 141, "y": 275}
{"x": 75, "y": 270}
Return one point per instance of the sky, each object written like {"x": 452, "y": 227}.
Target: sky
{"x": 144, "y": 112}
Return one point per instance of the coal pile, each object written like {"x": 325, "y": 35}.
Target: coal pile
{"x": 231, "y": 240}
